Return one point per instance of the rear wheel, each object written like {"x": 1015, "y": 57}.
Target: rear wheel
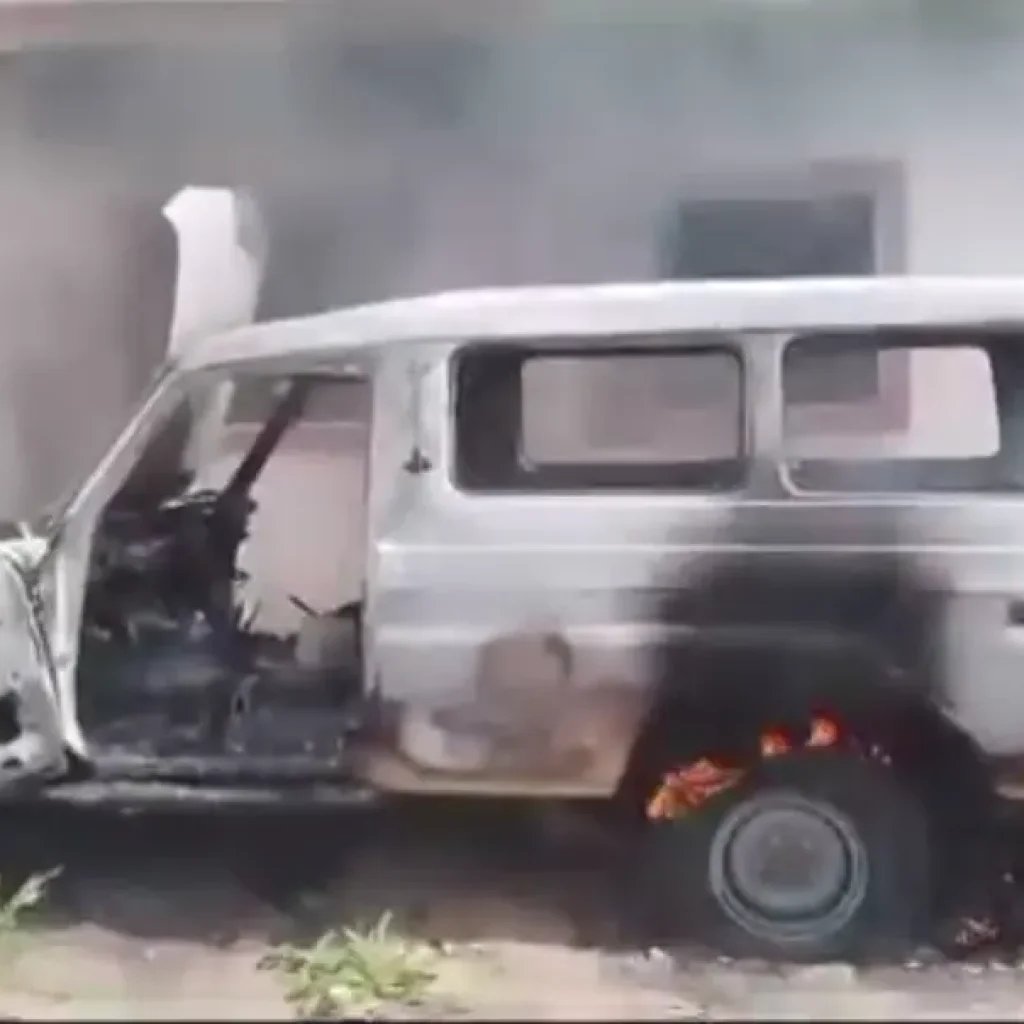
{"x": 816, "y": 855}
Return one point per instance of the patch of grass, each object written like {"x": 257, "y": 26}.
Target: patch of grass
{"x": 15, "y": 905}
{"x": 355, "y": 972}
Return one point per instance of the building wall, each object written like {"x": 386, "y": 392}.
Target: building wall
{"x": 86, "y": 285}
{"x": 572, "y": 147}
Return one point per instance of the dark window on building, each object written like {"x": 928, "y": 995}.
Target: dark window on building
{"x": 830, "y": 235}
{"x": 555, "y": 420}
{"x": 965, "y": 431}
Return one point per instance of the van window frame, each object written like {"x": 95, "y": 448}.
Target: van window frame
{"x": 696, "y": 477}
{"x": 902, "y": 477}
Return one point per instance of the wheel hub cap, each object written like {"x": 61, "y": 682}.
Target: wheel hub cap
{"x": 788, "y": 868}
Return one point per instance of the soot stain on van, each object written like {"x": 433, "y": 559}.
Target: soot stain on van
{"x": 770, "y": 631}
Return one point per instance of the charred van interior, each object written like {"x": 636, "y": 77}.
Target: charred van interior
{"x": 173, "y": 661}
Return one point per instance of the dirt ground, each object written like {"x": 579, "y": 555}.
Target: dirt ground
{"x": 169, "y": 917}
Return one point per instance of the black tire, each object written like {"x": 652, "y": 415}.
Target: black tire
{"x": 869, "y": 864}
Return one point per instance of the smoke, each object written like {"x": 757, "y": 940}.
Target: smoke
{"x": 401, "y": 147}
{"x": 399, "y": 153}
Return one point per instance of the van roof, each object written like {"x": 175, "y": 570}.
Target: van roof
{"x": 589, "y": 314}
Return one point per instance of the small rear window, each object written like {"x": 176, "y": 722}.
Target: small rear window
{"x": 930, "y": 419}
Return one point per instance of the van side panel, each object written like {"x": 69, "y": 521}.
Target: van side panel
{"x": 521, "y": 641}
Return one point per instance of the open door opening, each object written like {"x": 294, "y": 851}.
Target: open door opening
{"x": 221, "y": 627}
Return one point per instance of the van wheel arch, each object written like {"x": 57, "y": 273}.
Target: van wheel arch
{"x": 927, "y": 748}
{"x": 710, "y": 876}
{"x": 934, "y": 762}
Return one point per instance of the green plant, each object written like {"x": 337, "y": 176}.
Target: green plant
{"x": 349, "y": 971}
{"x": 27, "y": 896}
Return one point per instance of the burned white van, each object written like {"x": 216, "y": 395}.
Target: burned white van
{"x": 746, "y": 558}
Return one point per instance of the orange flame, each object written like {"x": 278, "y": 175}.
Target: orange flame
{"x": 774, "y": 743}
{"x": 688, "y": 788}
{"x": 824, "y": 732}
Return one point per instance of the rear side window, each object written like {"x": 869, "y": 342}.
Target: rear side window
{"x": 550, "y": 420}
{"x": 931, "y": 420}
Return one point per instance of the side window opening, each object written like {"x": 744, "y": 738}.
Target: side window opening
{"x": 959, "y": 431}
{"x": 312, "y": 486}
{"x": 338, "y": 401}
{"x": 159, "y": 470}
{"x": 549, "y": 420}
